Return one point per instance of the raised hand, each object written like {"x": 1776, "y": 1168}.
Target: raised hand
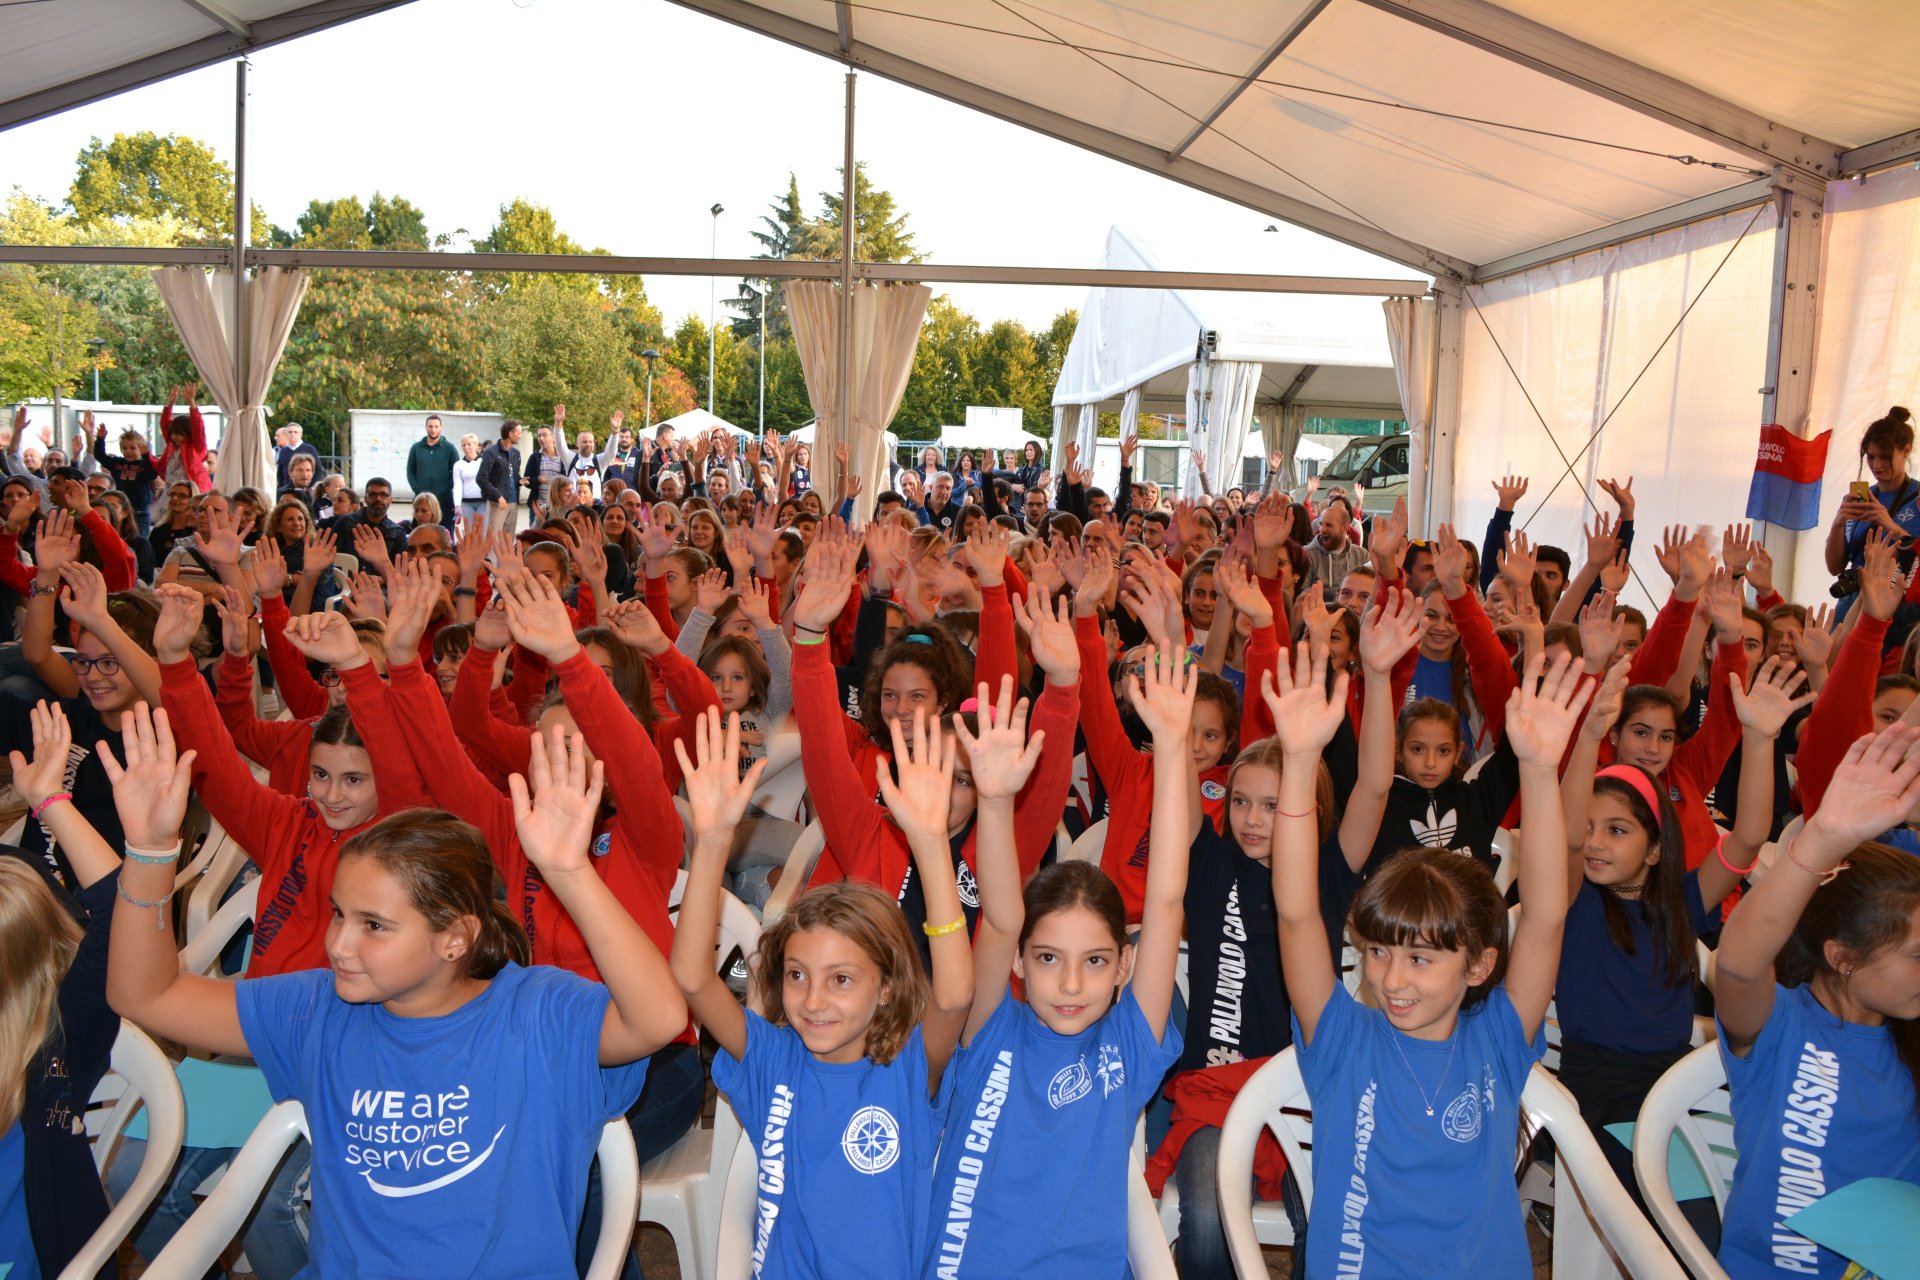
{"x": 152, "y": 788}
{"x": 1450, "y": 562}
{"x": 1760, "y": 570}
{"x": 1511, "y": 489}
{"x": 829, "y": 581}
{"x": 21, "y": 512}
{"x": 756, "y": 602}
{"x": 1876, "y": 786}
{"x": 1736, "y": 548}
{"x": 1815, "y": 645}
{"x": 538, "y": 617}
{"x": 1272, "y": 522}
{"x": 236, "y": 616}
{"x": 367, "y": 599}
{"x": 1667, "y": 551}
{"x": 1696, "y": 566}
{"x": 1319, "y": 622}
{"x": 1163, "y": 696}
{"x": 1614, "y": 576}
{"x": 1306, "y": 713}
{"x": 490, "y": 629}
{"x": 224, "y": 542}
{"x": 1723, "y": 606}
{"x": 1243, "y": 591}
{"x": 326, "y": 638}
{"x": 987, "y": 552}
{"x": 58, "y": 543}
{"x": 371, "y": 547}
{"x": 1766, "y": 708}
{"x": 710, "y": 591}
{"x": 1518, "y": 561}
{"x": 1607, "y": 702}
{"x": 717, "y": 792}
{"x": 413, "y": 591}
{"x": 1001, "y": 757}
{"x": 1148, "y": 600}
{"x": 1600, "y": 631}
{"x": 178, "y": 623}
{"x": 1622, "y": 494}
{"x": 555, "y": 821}
{"x": 1880, "y": 583}
{"x": 1603, "y": 541}
{"x": 1389, "y": 539}
{"x": 1389, "y": 631}
{"x": 924, "y": 759}
{"x": 269, "y": 567}
{"x": 323, "y": 548}
{"x": 739, "y": 554}
{"x": 1096, "y": 579}
{"x": 86, "y": 599}
{"x": 590, "y": 559}
{"x": 46, "y": 774}
{"x": 656, "y": 537}
{"x": 1049, "y": 636}
{"x": 1542, "y": 712}
{"x": 1066, "y": 558}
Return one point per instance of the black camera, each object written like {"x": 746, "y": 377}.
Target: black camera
{"x": 1845, "y": 583}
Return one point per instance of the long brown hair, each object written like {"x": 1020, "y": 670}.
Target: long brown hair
{"x": 1664, "y": 899}
{"x": 1866, "y": 909}
{"x": 871, "y": 920}
{"x": 38, "y": 940}
{"x": 448, "y": 873}
{"x": 1435, "y": 898}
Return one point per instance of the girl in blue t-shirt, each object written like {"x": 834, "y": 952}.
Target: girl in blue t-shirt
{"x": 1818, "y": 994}
{"x": 1625, "y": 993}
{"x": 454, "y": 1098}
{"x": 1047, "y": 1089}
{"x": 1415, "y": 1099}
{"x": 838, "y": 1081}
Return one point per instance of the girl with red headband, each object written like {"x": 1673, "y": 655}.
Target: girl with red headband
{"x": 1625, "y": 993}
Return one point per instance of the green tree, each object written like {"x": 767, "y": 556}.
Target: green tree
{"x": 879, "y": 227}
{"x": 780, "y": 234}
{"x": 548, "y": 343}
{"x": 942, "y": 383}
{"x": 145, "y": 175}
{"x": 346, "y": 223}
{"x": 1007, "y": 371}
{"x": 736, "y": 386}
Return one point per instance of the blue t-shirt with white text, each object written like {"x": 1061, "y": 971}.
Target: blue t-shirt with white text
{"x": 845, "y": 1153}
{"x": 1396, "y": 1189}
{"x": 1032, "y": 1176}
{"x": 457, "y": 1144}
{"x": 1818, "y": 1103}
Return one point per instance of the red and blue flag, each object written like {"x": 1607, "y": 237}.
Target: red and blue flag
{"x": 1786, "y": 478}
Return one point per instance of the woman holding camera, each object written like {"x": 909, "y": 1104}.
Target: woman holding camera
{"x": 1891, "y": 503}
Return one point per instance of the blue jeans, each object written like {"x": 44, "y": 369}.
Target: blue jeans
{"x": 1201, "y": 1249}
{"x": 668, "y": 1106}
{"x": 275, "y": 1237}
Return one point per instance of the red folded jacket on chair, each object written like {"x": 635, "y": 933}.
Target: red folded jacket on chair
{"x": 1200, "y": 1100}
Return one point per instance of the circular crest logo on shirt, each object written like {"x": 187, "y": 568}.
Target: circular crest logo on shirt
{"x": 1069, "y": 1084}
{"x": 1212, "y": 790}
{"x": 1462, "y": 1119}
{"x": 968, "y": 887}
{"x": 602, "y": 843}
{"x": 872, "y": 1140}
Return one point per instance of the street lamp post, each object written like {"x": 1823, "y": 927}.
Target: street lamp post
{"x": 96, "y": 346}
{"x": 762, "y": 290}
{"x": 712, "y": 284}
{"x": 649, "y": 355}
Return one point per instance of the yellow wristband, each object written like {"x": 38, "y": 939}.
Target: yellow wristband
{"x": 942, "y": 930}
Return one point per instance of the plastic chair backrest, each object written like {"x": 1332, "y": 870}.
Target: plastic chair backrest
{"x": 202, "y": 953}
{"x": 782, "y": 792}
{"x": 148, "y": 1081}
{"x": 1690, "y": 1102}
{"x": 225, "y": 861}
{"x": 800, "y": 864}
{"x": 1086, "y": 848}
{"x": 1508, "y": 867}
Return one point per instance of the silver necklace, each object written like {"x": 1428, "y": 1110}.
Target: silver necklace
{"x": 1441, "y": 1085}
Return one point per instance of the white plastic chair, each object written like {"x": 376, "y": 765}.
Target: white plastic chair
{"x": 198, "y": 1244}
{"x": 799, "y": 869}
{"x": 684, "y": 1188}
{"x": 1508, "y": 867}
{"x": 782, "y": 792}
{"x": 141, "y": 1077}
{"x": 16, "y": 831}
{"x": 1689, "y": 1102}
{"x": 225, "y": 860}
{"x": 1086, "y": 848}
{"x": 1275, "y": 1098}
{"x": 202, "y": 952}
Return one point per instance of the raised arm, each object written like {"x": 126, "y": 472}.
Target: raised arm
{"x": 42, "y": 783}
{"x": 717, "y": 796}
{"x": 1763, "y": 711}
{"x": 1576, "y": 780}
{"x": 144, "y": 982}
{"x": 1875, "y": 788}
{"x": 1165, "y": 703}
{"x": 555, "y": 824}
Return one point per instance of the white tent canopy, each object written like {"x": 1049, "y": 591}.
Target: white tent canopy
{"x": 698, "y": 422}
{"x": 989, "y": 428}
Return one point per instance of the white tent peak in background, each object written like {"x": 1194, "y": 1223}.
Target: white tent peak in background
{"x": 698, "y": 422}
{"x": 990, "y": 427}
{"x": 804, "y": 435}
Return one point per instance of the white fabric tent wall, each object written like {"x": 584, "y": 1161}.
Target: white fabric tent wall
{"x": 1219, "y": 408}
{"x": 1412, "y": 325}
{"x": 1868, "y": 356}
{"x": 1579, "y": 332}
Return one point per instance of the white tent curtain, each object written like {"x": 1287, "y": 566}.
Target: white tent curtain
{"x": 1086, "y": 431}
{"x": 201, "y": 304}
{"x": 1412, "y": 331}
{"x": 1281, "y": 427}
{"x": 1868, "y": 356}
{"x": 1578, "y": 334}
{"x": 1130, "y": 411}
{"x": 1219, "y": 408}
{"x": 886, "y": 329}
{"x": 1062, "y": 415}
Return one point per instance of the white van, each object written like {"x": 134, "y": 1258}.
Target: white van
{"x": 1379, "y": 463}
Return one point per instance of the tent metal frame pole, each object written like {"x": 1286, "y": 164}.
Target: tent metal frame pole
{"x": 242, "y": 219}
{"x": 1793, "y": 331}
{"x": 941, "y": 84}
{"x": 771, "y": 269}
{"x": 1293, "y": 32}
{"x": 847, "y": 214}
{"x": 1551, "y": 52}
{"x": 1744, "y": 196}
{"x": 1898, "y": 149}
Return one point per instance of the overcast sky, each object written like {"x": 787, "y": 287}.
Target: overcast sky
{"x": 630, "y": 119}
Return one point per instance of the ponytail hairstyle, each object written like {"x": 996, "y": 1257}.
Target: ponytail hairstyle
{"x": 934, "y": 651}
{"x": 448, "y": 874}
{"x": 1435, "y": 898}
{"x": 38, "y": 941}
{"x": 1863, "y": 911}
{"x": 1664, "y": 900}
{"x": 627, "y": 671}
{"x": 1894, "y": 433}
{"x": 871, "y": 920}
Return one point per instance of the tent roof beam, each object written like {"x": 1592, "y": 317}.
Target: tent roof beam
{"x": 941, "y": 84}
{"x": 1298, "y": 384}
{"x": 1506, "y": 34}
{"x": 220, "y": 14}
{"x": 1267, "y": 59}
{"x": 205, "y": 52}
{"x": 1744, "y": 196}
{"x": 1880, "y": 155}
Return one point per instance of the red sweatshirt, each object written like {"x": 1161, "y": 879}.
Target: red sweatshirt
{"x": 637, "y": 853}
{"x": 300, "y": 693}
{"x": 278, "y": 746}
{"x": 1127, "y": 774}
{"x": 862, "y": 843}
{"x": 1843, "y": 713}
{"x": 284, "y": 836}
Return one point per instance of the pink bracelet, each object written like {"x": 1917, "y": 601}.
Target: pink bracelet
{"x": 53, "y": 799}
{"x": 1826, "y": 877}
{"x": 1720, "y": 852}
